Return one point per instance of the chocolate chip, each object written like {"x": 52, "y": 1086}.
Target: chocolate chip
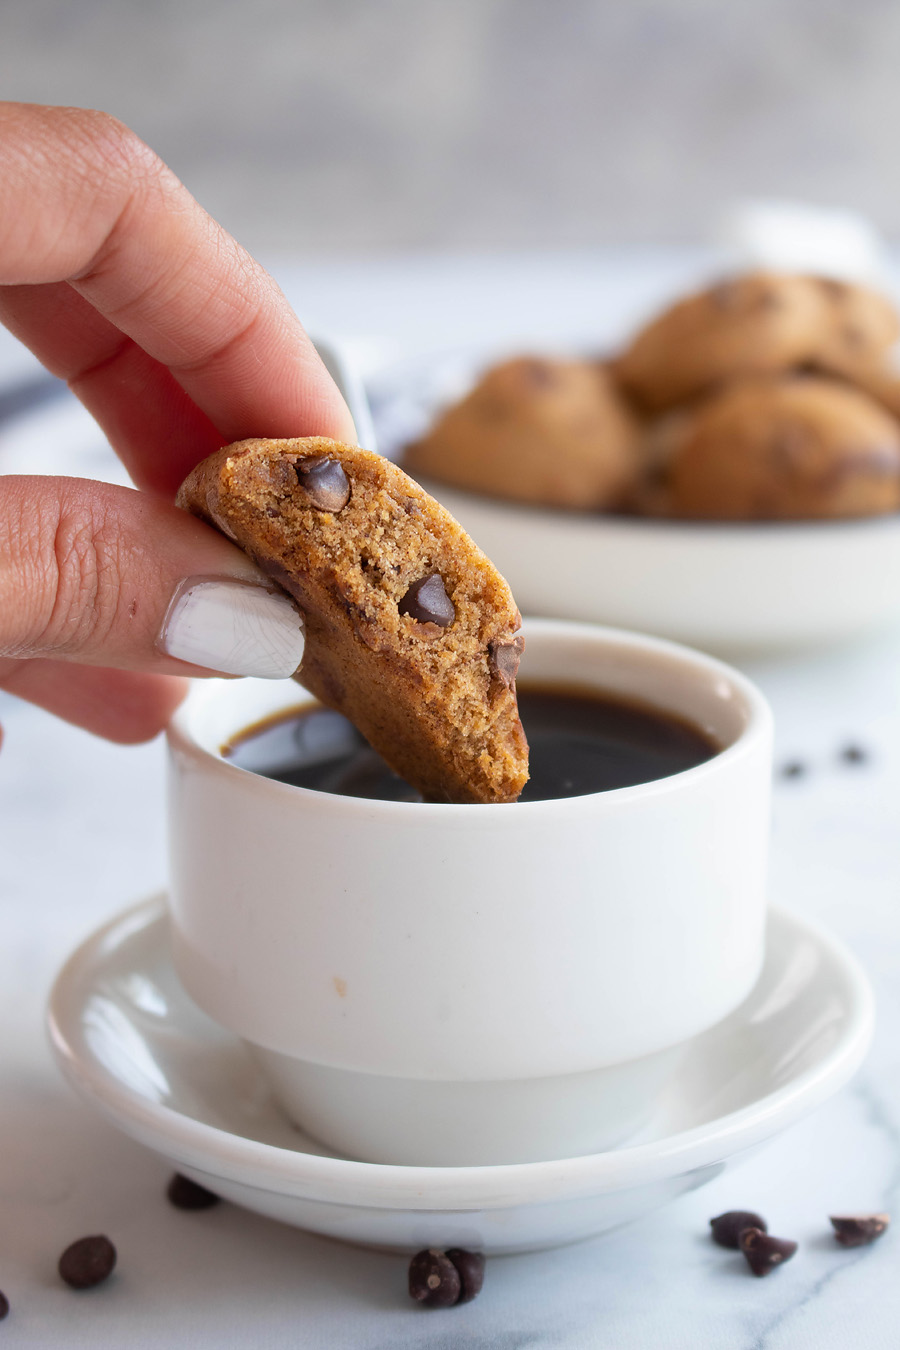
{"x": 186, "y": 1194}
{"x": 470, "y": 1267}
{"x": 87, "y": 1262}
{"x": 539, "y": 374}
{"x": 856, "y": 1230}
{"x": 725, "y": 296}
{"x": 769, "y": 299}
{"x": 853, "y": 336}
{"x": 735, "y": 296}
{"x": 504, "y": 658}
{"x": 788, "y": 449}
{"x": 426, "y": 601}
{"x": 764, "y": 1252}
{"x": 324, "y": 482}
{"x": 834, "y": 289}
{"x": 854, "y": 754}
{"x": 794, "y": 768}
{"x": 727, "y": 1228}
{"x": 434, "y": 1280}
{"x": 4, "y": 1306}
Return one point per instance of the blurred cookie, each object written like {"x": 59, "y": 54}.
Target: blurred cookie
{"x": 554, "y": 433}
{"x": 793, "y": 449}
{"x": 410, "y": 630}
{"x": 879, "y": 379}
{"x": 862, "y": 325}
{"x": 662, "y": 438}
{"x": 759, "y": 324}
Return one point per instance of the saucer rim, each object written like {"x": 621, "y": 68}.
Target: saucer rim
{"x": 342, "y": 1181}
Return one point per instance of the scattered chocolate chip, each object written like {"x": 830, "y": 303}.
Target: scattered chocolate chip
{"x": 426, "y": 601}
{"x": 794, "y": 768}
{"x": 764, "y": 1252}
{"x": 4, "y": 1306}
{"x": 434, "y": 1280}
{"x": 856, "y": 1230}
{"x": 727, "y": 1228}
{"x": 470, "y": 1267}
{"x": 87, "y": 1262}
{"x": 186, "y": 1194}
{"x": 854, "y": 754}
{"x": 504, "y": 658}
{"x": 324, "y": 482}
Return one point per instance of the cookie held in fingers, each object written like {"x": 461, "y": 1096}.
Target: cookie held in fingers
{"x": 552, "y": 433}
{"x": 411, "y": 632}
{"x": 792, "y": 449}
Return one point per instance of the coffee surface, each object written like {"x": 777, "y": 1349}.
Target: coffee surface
{"x": 580, "y": 742}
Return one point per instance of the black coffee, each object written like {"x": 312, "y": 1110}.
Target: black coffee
{"x": 579, "y": 742}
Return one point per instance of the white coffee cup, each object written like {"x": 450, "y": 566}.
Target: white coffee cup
{"x": 453, "y": 985}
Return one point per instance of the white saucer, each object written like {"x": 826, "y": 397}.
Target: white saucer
{"x": 132, "y": 1042}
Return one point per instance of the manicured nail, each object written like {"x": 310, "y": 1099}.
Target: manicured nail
{"x": 234, "y": 627}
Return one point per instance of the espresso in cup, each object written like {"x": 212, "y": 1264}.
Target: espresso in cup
{"x": 579, "y": 741}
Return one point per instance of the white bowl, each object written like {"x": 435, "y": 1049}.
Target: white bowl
{"x": 722, "y": 587}
{"x": 135, "y": 1046}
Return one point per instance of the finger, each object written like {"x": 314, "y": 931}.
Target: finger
{"x": 136, "y": 400}
{"x": 145, "y": 255}
{"x": 122, "y": 705}
{"x": 108, "y": 576}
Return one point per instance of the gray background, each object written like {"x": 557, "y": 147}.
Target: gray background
{"x": 352, "y": 127}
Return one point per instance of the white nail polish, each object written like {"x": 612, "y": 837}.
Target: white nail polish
{"x": 234, "y": 627}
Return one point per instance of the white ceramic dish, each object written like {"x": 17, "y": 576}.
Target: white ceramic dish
{"x": 132, "y": 1043}
{"x": 723, "y": 587}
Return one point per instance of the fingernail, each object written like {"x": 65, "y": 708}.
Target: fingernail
{"x": 233, "y": 627}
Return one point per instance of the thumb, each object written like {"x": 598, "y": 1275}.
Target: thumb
{"x": 109, "y": 576}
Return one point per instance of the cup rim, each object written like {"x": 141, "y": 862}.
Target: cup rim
{"x": 758, "y": 724}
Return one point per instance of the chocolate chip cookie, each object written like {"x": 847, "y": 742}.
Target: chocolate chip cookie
{"x": 554, "y": 433}
{"x": 862, "y": 325}
{"x": 798, "y": 448}
{"x": 411, "y": 633}
{"x": 879, "y": 379}
{"x": 761, "y": 323}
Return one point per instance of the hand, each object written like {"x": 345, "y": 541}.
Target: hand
{"x": 178, "y": 342}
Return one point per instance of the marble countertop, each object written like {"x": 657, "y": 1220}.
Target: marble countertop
{"x": 81, "y": 836}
